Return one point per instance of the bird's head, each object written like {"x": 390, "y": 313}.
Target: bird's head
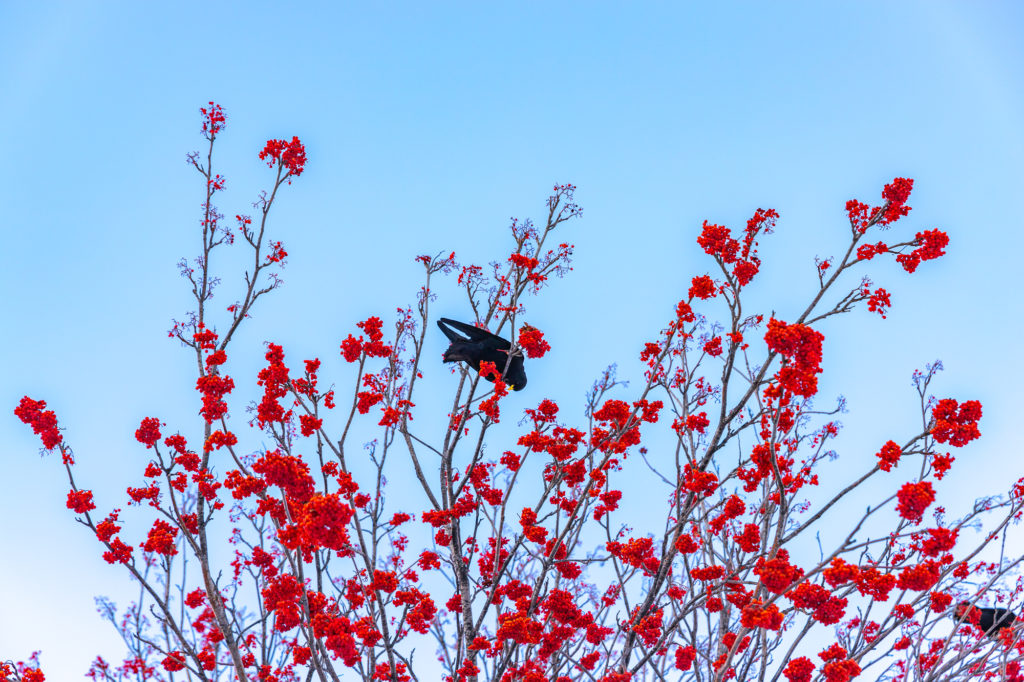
{"x": 966, "y": 613}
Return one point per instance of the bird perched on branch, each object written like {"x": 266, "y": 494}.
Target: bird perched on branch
{"x": 990, "y": 620}
{"x": 473, "y": 345}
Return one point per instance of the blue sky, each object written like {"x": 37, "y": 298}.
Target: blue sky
{"x": 427, "y": 127}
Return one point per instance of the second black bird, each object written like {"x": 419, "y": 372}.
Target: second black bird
{"x": 991, "y": 621}
{"x": 473, "y": 345}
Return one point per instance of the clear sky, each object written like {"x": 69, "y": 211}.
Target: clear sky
{"x": 427, "y": 126}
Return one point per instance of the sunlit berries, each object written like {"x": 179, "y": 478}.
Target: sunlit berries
{"x": 914, "y": 499}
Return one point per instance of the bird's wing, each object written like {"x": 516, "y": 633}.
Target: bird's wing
{"x": 452, "y": 335}
{"x": 472, "y": 334}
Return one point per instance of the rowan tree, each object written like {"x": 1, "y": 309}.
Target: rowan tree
{"x": 276, "y": 551}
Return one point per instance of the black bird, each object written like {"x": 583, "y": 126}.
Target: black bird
{"x": 475, "y": 345}
{"x": 991, "y": 620}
